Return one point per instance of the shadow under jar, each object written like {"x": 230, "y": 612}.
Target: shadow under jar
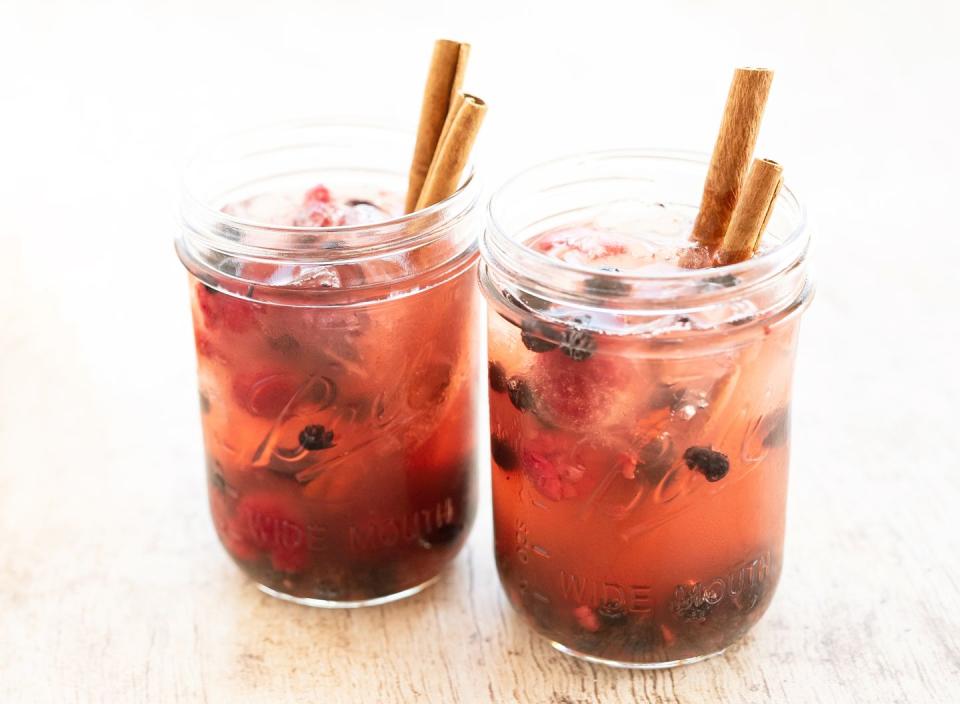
{"x": 639, "y": 411}
{"x": 337, "y": 364}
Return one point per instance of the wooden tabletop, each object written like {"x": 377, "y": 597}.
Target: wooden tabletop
{"x": 113, "y": 587}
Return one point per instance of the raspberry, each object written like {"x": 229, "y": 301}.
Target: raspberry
{"x": 317, "y": 194}
{"x": 587, "y": 618}
{"x": 223, "y": 310}
{"x": 264, "y": 394}
{"x": 554, "y": 479}
{"x": 712, "y": 464}
{"x": 205, "y": 346}
{"x": 573, "y": 394}
{"x": 272, "y": 525}
{"x": 316, "y": 437}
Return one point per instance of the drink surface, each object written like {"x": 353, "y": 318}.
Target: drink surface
{"x": 340, "y": 448}
{"x": 639, "y": 479}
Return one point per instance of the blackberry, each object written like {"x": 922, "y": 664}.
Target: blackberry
{"x": 578, "y": 344}
{"x": 693, "y": 612}
{"x": 712, "y": 464}
{"x": 502, "y": 454}
{"x": 534, "y": 337}
{"x": 316, "y": 437}
{"x": 498, "y": 377}
{"x": 521, "y": 395}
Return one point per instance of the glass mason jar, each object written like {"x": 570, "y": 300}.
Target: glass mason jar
{"x": 639, "y": 418}
{"x": 337, "y": 368}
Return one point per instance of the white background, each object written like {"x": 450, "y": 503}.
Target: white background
{"x": 102, "y": 102}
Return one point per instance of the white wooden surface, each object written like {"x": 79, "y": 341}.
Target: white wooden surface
{"x": 112, "y": 585}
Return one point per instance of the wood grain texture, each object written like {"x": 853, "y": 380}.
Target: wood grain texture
{"x": 113, "y": 587}
{"x": 742, "y": 115}
{"x": 752, "y": 212}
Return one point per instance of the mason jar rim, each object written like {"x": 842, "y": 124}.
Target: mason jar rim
{"x": 637, "y": 289}
{"x": 236, "y": 235}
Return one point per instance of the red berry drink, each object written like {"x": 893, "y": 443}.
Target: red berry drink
{"x": 639, "y": 411}
{"x": 336, "y": 343}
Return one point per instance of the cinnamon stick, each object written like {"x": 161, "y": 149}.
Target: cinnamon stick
{"x": 447, "y": 68}
{"x": 752, "y": 213}
{"x": 453, "y": 152}
{"x": 732, "y": 153}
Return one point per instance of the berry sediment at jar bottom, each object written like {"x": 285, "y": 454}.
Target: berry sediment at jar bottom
{"x": 639, "y": 476}
{"x": 340, "y": 449}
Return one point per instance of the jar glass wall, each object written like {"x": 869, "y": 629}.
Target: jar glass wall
{"x": 340, "y": 448}
{"x": 639, "y": 416}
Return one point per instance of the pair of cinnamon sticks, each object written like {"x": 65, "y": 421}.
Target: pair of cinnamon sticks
{"x": 736, "y": 205}
{"x": 449, "y": 123}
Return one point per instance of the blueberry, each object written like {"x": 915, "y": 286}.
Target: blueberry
{"x": 524, "y": 301}
{"x": 534, "y": 337}
{"x": 316, "y": 437}
{"x": 712, "y": 464}
{"x": 521, "y": 395}
{"x": 778, "y": 423}
{"x": 442, "y": 535}
{"x": 667, "y": 395}
{"x": 604, "y": 285}
{"x": 724, "y": 280}
{"x": 502, "y": 454}
{"x": 498, "y": 377}
{"x": 611, "y": 613}
{"x": 655, "y": 458}
{"x": 230, "y": 232}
